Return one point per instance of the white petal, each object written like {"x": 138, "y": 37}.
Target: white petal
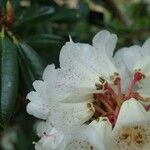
{"x": 132, "y": 137}
{"x": 86, "y": 60}
{"x": 37, "y": 107}
{"x": 67, "y": 83}
{"x": 41, "y": 89}
{"x": 49, "y": 72}
{"x": 92, "y": 136}
{"x": 69, "y": 116}
{"x": 143, "y": 85}
{"x": 50, "y": 141}
{"x": 132, "y": 129}
{"x": 146, "y": 47}
{"x": 98, "y": 132}
{"x": 80, "y": 96}
{"x": 79, "y": 144}
{"x": 131, "y": 112}
{"x": 66, "y": 86}
{"x": 38, "y": 85}
{"x": 105, "y": 42}
{"x": 131, "y": 56}
{"x": 124, "y": 72}
{"x": 43, "y": 128}
{"x": 80, "y": 56}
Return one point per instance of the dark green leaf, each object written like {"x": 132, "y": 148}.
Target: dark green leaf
{"x": 2, "y": 5}
{"x": 31, "y": 64}
{"x": 44, "y": 39}
{"x": 32, "y": 15}
{"x": 8, "y": 78}
{"x": 65, "y": 15}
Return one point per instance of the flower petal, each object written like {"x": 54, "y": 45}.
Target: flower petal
{"x": 131, "y": 112}
{"x": 43, "y": 128}
{"x": 132, "y": 137}
{"x": 124, "y": 72}
{"x": 76, "y": 56}
{"x": 50, "y": 141}
{"x": 69, "y": 116}
{"x": 146, "y": 47}
{"x": 131, "y": 56}
{"x": 49, "y": 73}
{"x": 143, "y": 85}
{"x": 132, "y": 129}
{"x": 105, "y": 42}
{"x": 67, "y": 83}
{"x": 37, "y": 106}
{"x": 90, "y": 137}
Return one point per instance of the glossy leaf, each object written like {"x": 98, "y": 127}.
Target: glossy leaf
{"x": 8, "y": 78}
{"x": 32, "y": 15}
{"x": 65, "y": 15}
{"x": 44, "y": 39}
{"x": 30, "y": 63}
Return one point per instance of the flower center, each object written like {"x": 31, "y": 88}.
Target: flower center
{"x": 107, "y": 103}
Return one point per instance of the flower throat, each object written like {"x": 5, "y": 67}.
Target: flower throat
{"x": 108, "y": 102}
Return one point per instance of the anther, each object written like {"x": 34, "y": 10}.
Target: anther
{"x": 147, "y": 108}
{"x": 103, "y": 98}
{"x": 99, "y": 86}
{"x": 138, "y": 75}
{"x": 102, "y": 80}
{"x": 115, "y": 77}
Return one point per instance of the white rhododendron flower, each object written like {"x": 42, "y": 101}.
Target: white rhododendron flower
{"x": 131, "y": 132}
{"x": 86, "y": 137}
{"x": 90, "y": 84}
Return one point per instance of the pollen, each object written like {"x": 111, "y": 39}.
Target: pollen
{"x": 133, "y": 137}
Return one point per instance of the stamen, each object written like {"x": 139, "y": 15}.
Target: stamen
{"x": 137, "y": 76}
{"x": 103, "y": 84}
{"x": 107, "y": 102}
{"x": 147, "y": 108}
{"x": 99, "y": 86}
{"x": 137, "y": 96}
{"x": 118, "y": 83}
{"x": 114, "y": 96}
{"x": 101, "y": 79}
{"x": 99, "y": 110}
{"x": 103, "y": 98}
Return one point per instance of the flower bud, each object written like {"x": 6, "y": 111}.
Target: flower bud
{"x": 9, "y": 17}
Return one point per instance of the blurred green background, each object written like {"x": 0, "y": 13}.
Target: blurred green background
{"x": 32, "y": 34}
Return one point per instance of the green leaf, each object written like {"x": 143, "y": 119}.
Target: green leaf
{"x": 44, "y": 39}
{"x": 33, "y": 15}
{"x": 30, "y": 63}
{"x": 65, "y": 15}
{"x": 8, "y": 78}
{"x": 2, "y": 5}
